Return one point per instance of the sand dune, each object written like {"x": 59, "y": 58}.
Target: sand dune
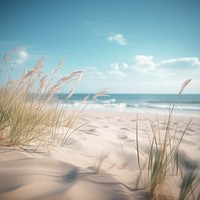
{"x": 98, "y": 162}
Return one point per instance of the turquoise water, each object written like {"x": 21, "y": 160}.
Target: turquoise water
{"x": 188, "y": 103}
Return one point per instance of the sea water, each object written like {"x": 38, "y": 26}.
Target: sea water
{"x": 185, "y": 103}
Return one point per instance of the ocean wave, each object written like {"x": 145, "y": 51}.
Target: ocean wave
{"x": 177, "y": 106}
{"x": 111, "y": 104}
{"x": 108, "y": 105}
{"x": 172, "y": 102}
{"x": 136, "y": 102}
{"x": 109, "y": 101}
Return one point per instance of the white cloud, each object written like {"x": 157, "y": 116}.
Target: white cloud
{"x": 119, "y": 38}
{"x": 147, "y": 64}
{"x": 115, "y": 71}
{"x": 144, "y": 63}
{"x": 115, "y": 66}
{"x": 192, "y": 60}
{"x": 22, "y": 57}
{"x": 125, "y": 66}
{"x": 95, "y": 74}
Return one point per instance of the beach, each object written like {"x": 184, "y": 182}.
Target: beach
{"x": 99, "y": 100}
{"x": 98, "y": 161}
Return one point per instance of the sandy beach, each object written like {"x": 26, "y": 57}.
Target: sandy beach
{"x": 98, "y": 161}
{"x": 99, "y": 100}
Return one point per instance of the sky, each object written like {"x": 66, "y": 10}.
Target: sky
{"x": 127, "y": 46}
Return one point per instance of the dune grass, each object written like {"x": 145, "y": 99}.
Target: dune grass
{"x": 163, "y": 159}
{"x": 28, "y": 110}
{"x": 189, "y": 184}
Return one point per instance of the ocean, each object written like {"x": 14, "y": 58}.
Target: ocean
{"x": 156, "y": 103}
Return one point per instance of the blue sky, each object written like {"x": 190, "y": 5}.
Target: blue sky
{"x": 128, "y": 46}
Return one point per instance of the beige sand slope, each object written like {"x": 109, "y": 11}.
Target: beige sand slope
{"x": 98, "y": 162}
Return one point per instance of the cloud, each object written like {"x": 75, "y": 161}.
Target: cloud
{"x": 191, "y": 60}
{"x": 125, "y": 66}
{"x": 21, "y": 57}
{"x": 147, "y": 64}
{"x": 93, "y": 73}
{"x": 115, "y": 66}
{"x": 144, "y": 63}
{"x": 119, "y": 38}
{"x": 115, "y": 71}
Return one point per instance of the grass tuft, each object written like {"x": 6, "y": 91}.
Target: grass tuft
{"x": 28, "y": 110}
{"x": 163, "y": 159}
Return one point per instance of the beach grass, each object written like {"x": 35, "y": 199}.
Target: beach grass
{"x": 163, "y": 159}
{"x": 190, "y": 182}
{"x": 28, "y": 110}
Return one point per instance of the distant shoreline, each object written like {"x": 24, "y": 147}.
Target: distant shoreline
{"x": 186, "y": 104}
{"x": 143, "y": 104}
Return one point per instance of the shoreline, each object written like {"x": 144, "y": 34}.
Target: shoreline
{"x": 186, "y": 104}
{"x": 148, "y": 112}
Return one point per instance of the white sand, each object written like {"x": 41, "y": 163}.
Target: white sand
{"x": 98, "y": 161}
